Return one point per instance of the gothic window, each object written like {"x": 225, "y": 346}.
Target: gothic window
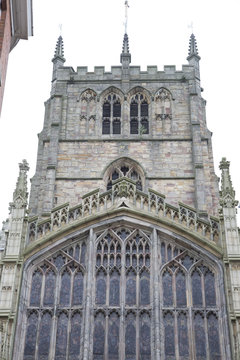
{"x": 88, "y": 101}
{"x": 111, "y": 115}
{"x": 188, "y": 290}
{"x": 110, "y": 248}
{"x": 139, "y": 118}
{"x": 57, "y": 288}
{"x": 125, "y": 169}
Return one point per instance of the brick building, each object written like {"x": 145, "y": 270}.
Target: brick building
{"x": 127, "y": 249}
{"x": 15, "y": 24}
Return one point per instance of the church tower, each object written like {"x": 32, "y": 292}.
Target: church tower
{"x": 122, "y": 253}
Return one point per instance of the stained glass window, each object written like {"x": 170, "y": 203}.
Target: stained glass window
{"x": 130, "y": 338}
{"x": 196, "y": 288}
{"x": 61, "y": 340}
{"x": 31, "y": 337}
{"x": 44, "y": 336}
{"x": 36, "y": 288}
{"x": 210, "y": 295}
{"x": 183, "y": 335}
{"x": 213, "y": 337}
{"x": 75, "y": 336}
{"x": 180, "y": 289}
{"x": 169, "y": 341}
{"x": 49, "y": 291}
{"x": 65, "y": 288}
{"x": 78, "y": 288}
{"x": 99, "y": 337}
{"x": 145, "y": 337}
{"x": 167, "y": 288}
{"x": 200, "y": 336}
{"x": 113, "y": 337}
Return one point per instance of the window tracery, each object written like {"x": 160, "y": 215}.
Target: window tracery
{"x": 163, "y": 104}
{"x": 115, "y": 248}
{"x": 188, "y": 292}
{"x": 128, "y": 171}
{"x": 111, "y": 115}
{"x": 139, "y": 114}
{"x": 60, "y": 307}
{"x": 88, "y": 112}
{"x": 122, "y": 298}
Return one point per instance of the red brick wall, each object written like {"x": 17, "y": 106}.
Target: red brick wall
{"x": 5, "y": 41}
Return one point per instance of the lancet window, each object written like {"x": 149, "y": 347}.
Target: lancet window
{"x": 127, "y": 170}
{"x": 139, "y": 114}
{"x": 123, "y": 260}
{"x": 190, "y": 309}
{"x": 111, "y": 115}
{"x": 56, "y": 302}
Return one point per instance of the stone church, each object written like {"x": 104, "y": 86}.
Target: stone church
{"x": 126, "y": 250}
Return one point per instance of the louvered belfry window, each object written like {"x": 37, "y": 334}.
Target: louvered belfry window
{"x": 139, "y": 119}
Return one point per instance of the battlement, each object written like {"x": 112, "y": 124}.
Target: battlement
{"x": 169, "y": 72}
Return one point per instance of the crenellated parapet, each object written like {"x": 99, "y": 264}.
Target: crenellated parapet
{"x": 124, "y": 194}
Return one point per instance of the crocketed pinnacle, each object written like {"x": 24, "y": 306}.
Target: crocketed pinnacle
{"x": 226, "y": 182}
{"x": 59, "y": 50}
{"x": 125, "y": 48}
{"x": 193, "y": 50}
{"x": 125, "y": 55}
{"x": 20, "y": 194}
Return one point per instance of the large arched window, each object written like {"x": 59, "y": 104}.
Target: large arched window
{"x": 125, "y": 292}
{"x": 123, "y": 261}
{"x": 190, "y": 309}
{"x": 56, "y": 302}
{"x": 111, "y": 114}
{"x": 139, "y": 114}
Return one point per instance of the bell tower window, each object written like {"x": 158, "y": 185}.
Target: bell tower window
{"x": 111, "y": 112}
{"x": 139, "y": 119}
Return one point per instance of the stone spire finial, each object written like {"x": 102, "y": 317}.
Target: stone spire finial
{"x": 193, "y": 50}
{"x": 227, "y": 192}
{"x": 20, "y": 194}
{"x": 125, "y": 58}
{"x": 59, "y": 52}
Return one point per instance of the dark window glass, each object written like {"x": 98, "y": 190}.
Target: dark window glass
{"x": 109, "y": 185}
{"x": 101, "y": 289}
{"x": 117, "y": 109}
{"x": 130, "y": 339}
{"x": 116, "y": 126}
{"x": 44, "y": 336}
{"x": 213, "y": 337}
{"x": 210, "y": 296}
{"x": 61, "y": 340}
{"x": 114, "y": 289}
{"x": 134, "y": 109}
{"x": 145, "y": 338}
{"x": 163, "y": 252}
{"x": 36, "y": 289}
{"x": 78, "y": 288}
{"x": 83, "y": 253}
{"x": 131, "y": 289}
{"x": 49, "y": 292}
{"x": 113, "y": 337}
{"x": 31, "y": 336}
{"x": 169, "y": 336}
{"x": 187, "y": 262}
{"x": 144, "y": 289}
{"x": 144, "y": 108}
{"x": 167, "y": 289}
{"x": 106, "y": 109}
{"x": 59, "y": 261}
{"x": 106, "y": 126}
{"x": 183, "y": 335}
{"x": 180, "y": 289}
{"x": 65, "y": 289}
{"x": 77, "y": 253}
{"x": 115, "y": 175}
{"x": 134, "y": 126}
{"x": 99, "y": 337}
{"x": 169, "y": 252}
{"x": 196, "y": 289}
{"x": 200, "y": 342}
{"x": 75, "y": 334}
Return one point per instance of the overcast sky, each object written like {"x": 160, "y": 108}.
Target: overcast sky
{"x": 93, "y": 31}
